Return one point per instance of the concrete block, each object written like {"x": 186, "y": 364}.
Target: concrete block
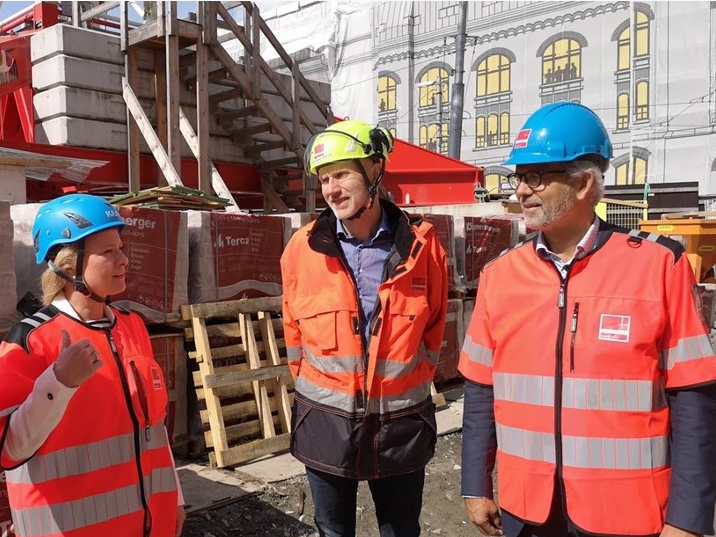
{"x": 8, "y": 295}
{"x": 101, "y": 106}
{"x": 82, "y": 43}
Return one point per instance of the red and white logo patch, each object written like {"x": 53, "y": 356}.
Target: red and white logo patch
{"x": 156, "y": 378}
{"x": 522, "y": 138}
{"x": 318, "y": 151}
{"x": 614, "y": 328}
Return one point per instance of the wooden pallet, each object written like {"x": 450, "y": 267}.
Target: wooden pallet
{"x": 243, "y": 378}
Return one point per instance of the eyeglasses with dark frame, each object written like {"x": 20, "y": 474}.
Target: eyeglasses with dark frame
{"x": 531, "y": 179}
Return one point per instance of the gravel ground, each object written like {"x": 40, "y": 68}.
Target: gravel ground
{"x": 285, "y": 509}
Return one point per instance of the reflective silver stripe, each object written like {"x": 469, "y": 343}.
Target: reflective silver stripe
{"x": 347, "y": 402}
{"x": 335, "y": 364}
{"x": 604, "y": 394}
{"x": 525, "y": 444}
{"x": 77, "y": 460}
{"x": 160, "y": 480}
{"x": 586, "y": 452}
{"x": 7, "y": 411}
{"x": 689, "y": 348}
{"x": 530, "y": 389}
{"x": 581, "y": 393}
{"x": 83, "y": 512}
{"x": 328, "y": 397}
{"x": 293, "y": 353}
{"x": 616, "y": 453}
{"x": 406, "y": 399}
{"x": 477, "y": 353}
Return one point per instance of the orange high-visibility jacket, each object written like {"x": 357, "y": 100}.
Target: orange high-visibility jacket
{"x": 579, "y": 369}
{"x": 106, "y": 469}
{"x": 371, "y": 408}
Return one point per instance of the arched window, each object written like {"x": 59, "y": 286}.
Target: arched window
{"x": 387, "y": 92}
{"x": 493, "y": 75}
{"x": 434, "y": 140}
{"x": 632, "y": 172}
{"x": 641, "y": 32}
{"x": 624, "y": 49}
{"x": 562, "y": 61}
{"x": 434, "y": 87}
{"x": 641, "y": 107}
{"x": 492, "y": 131}
{"x": 623, "y": 111}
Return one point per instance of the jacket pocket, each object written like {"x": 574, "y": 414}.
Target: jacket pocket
{"x": 324, "y": 440}
{"x": 407, "y": 442}
{"x": 317, "y": 321}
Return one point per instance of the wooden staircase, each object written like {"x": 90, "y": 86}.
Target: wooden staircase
{"x": 270, "y": 116}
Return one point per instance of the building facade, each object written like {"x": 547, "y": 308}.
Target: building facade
{"x": 647, "y": 68}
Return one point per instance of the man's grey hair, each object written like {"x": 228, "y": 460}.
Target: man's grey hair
{"x": 579, "y": 167}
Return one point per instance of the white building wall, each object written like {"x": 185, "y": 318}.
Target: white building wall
{"x": 404, "y": 38}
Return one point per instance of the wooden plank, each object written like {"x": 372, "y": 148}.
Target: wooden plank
{"x": 271, "y": 197}
{"x": 438, "y": 398}
{"x": 172, "y": 69}
{"x": 253, "y": 450}
{"x": 240, "y": 411}
{"x": 213, "y": 404}
{"x": 230, "y": 308}
{"x": 238, "y": 75}
{"x": 194, "y": 144}
{"x": 260, "y": 390}
{"x": 160, "y": 94}
{"x": 201, "y": 152}
{"x": 228, "y": 329}
{"x": 279, "y": 387}
{"x": 251, "y": 375}
{"x": 150, "y": 136}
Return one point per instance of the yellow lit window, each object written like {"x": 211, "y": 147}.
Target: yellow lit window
{"x": 480, "y": 132}
{"x": 492, "y": 182}
{"x": 493, "y": 75}
{"x": 504, "y": 134}
{"x": 641, "y": 34}
{"x": 434, "y": 87}
{"x": 492, "y": 134}
{"x": 386, "y": 93}
{"x": 562, "y": 61}
{"x": 623, "y": 111}
{"x": 641, "y": 110}
{"x": 632, "y": 173}
{"x": 623, "y": 52}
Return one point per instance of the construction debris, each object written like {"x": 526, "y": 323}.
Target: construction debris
{"x": 172, "y": 197}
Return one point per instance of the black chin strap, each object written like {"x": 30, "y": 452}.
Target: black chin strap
{"x": 77, "y": 282}
{"x": 372, "y": 188}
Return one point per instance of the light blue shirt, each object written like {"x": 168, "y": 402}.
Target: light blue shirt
{"x": 366, "y": 261}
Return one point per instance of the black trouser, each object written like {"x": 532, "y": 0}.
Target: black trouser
{"x": 398, "y": 500}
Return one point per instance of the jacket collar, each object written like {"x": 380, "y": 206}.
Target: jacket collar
{"x": 322, "y": 236}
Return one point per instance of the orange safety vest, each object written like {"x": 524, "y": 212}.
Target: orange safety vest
{"x": 321, "y": 326}
{"x": 106, "y": 469}
{"x": 579, "y": 370}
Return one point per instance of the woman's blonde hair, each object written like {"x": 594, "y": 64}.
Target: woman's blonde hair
{"x": 52, "y": 284}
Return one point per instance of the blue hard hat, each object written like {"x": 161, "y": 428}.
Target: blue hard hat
{"x": 560, "y": 132}
{"x": 70, "y": 218}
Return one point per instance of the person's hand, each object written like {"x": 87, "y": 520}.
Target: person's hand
{"x": 77, "y": 361}
{"x": 484, "y": 514}
{"x": 181, "y": 517}
{"x": 671, "y": 531}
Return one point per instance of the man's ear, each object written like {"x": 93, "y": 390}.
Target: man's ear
{"x": 584, "y": 184}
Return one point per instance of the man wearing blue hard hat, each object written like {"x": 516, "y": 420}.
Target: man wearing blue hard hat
{"x": 590, "y": 377}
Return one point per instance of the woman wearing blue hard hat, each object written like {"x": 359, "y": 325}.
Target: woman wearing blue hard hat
{"x": 590, "y": 377}
{"x": 82, "y": 400}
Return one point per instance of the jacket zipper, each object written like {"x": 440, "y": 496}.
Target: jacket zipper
{"x": 142, "y": 392}
{"x": 561, "y": 304}
{"x": 135, "y": 422}
{"x": 573, "y": 330}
